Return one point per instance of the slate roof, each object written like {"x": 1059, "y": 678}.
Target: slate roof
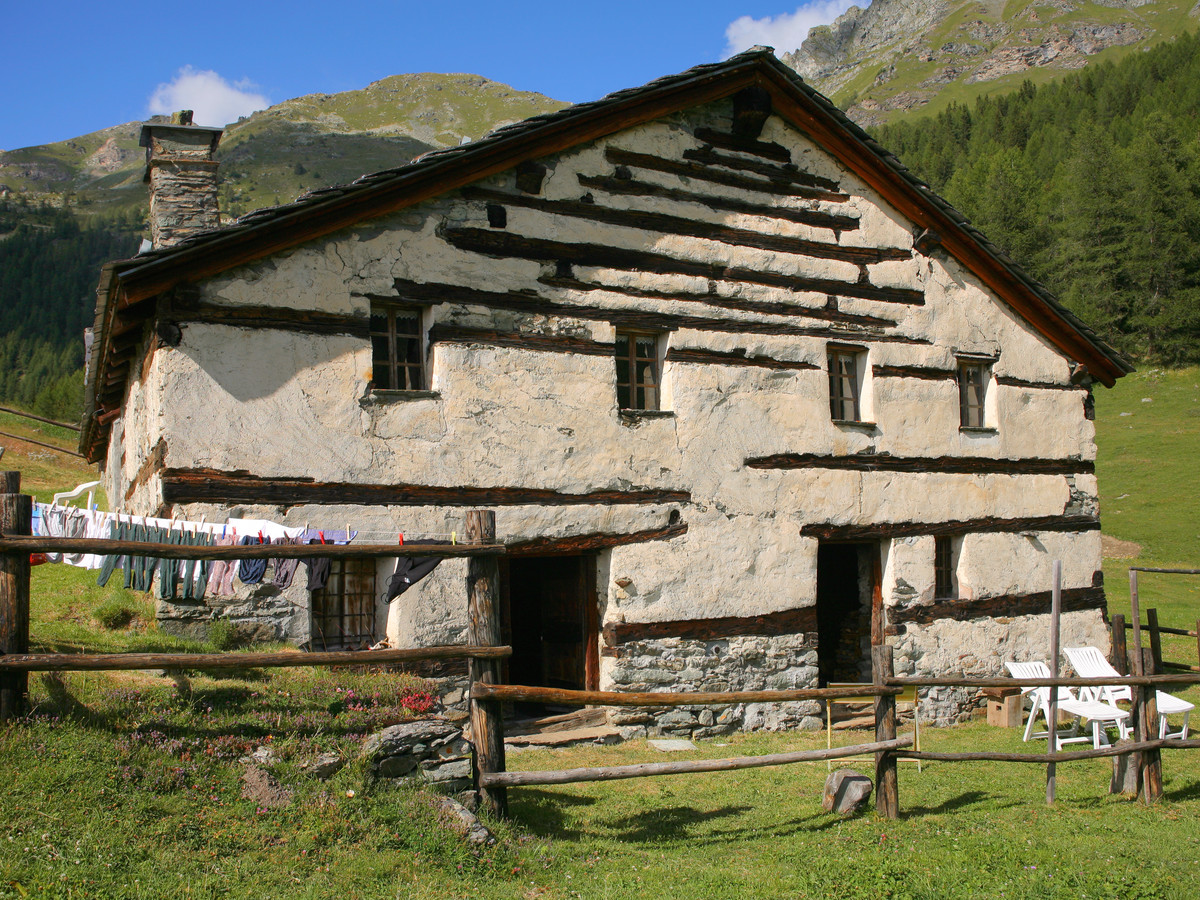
{"x": 524, "y": 132}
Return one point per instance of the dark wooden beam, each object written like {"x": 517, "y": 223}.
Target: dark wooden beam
{"x": 737, "y": 357}
{"x": 788, "y": 174}
{"x": 956, "y": 465}
{"x": 1010, "y": 381}
{"x": 213, "y": 486}
{"x": 520, "y": 340}
{"x": 583, "y": 543}
{"x": 530, "y": 302}
{"x": 514, "y": 246}
{"x": 275, "y": 318}
{"x": 700, "y": 172}
{"x": 742, "y": 144}
{"x": 153, "y": 464}
{"x": 926, "y": 373}
{"x": 788, "y": 621}
{"x": 1034, "y": 604}
{"x": 633, "y": 188}
{"x": 662, "y": 223}
{"x": 994, "y": 524}
{"x": 717, "y": 301}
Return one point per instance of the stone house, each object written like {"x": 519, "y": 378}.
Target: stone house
{"x": 746, "y": 396}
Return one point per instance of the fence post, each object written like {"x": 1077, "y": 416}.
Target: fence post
{"x": 16, "y": 517}
{"x": 887, "y": 793}
{"x": 1151, "y": 762}
{"x": 1120, "y": 660}
{"x": 483, "y": 630}
{"x": 1155, "y": 638}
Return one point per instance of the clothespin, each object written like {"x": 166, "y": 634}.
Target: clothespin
{"x": 401, "y": 538}
{"x": 322, "y": 535}
{"x": 454, "y": 537}
{"x": 347, "y": 532}
{"x": 260, "y": 538}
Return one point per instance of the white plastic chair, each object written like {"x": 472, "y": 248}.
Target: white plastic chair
{"x": 1088, "y": 662}
{"x": 1099, "y": 714}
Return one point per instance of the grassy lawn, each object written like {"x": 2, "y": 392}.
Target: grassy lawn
{"x": 129, "y": 784}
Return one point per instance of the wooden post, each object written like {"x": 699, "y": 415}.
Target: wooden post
{"x": 1198, "y": 641}
{"x": 1052, "y": 711}
{"x": 887, "y": 795}
{"x": 1155, "y": 638}
{"x": 1120, "y": 659}
{"x": 1136, "y": 620}
{"x": 16, "y": 517}
{"x": 483, "y": 630}
{"x": 1151, "y": 761}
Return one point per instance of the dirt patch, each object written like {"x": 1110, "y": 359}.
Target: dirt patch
{"x": 1111, "y": 548}
{"x": 261, "y": 787}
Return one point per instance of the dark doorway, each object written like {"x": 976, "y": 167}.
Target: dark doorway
{"x": 550, "y": 617}
{"x": 846, "y": 579}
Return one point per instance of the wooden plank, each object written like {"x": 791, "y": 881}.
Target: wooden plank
{"x": 520, "y": 340}
{"x": 742, "y": 144}
{"x": 504, "y": 244}
{"x": 788, "y": 621}
{"x": 483, "y": 630}
{"x": 737, "y": 357}
{"x": 664, "y": 223}
{"x": 700, "y": 172}
{"x": 924, "y": 373}
{"x": 10, "y": 543}
{"x": 288, "y": 659}
{"x": 1010, "y": 381}
{"x": 1155, "y": 638}
{"x": 632, "y": 318}
{"x": 631, "y": 187}
{"x": 1151, "y": 758}
{"x": 16, "y": 517}
{"x": 275, "y": 318}
{"x": 786, "y": 174}
{"x": 642, "y": 770}
{"x": 887, "y": 800}
{"x": 1120, "y": 656}
{"x": 206, "y": 485}
{"x": 825, "y": 313}
{"x": 516, "y": 693}
{"x": 1005, "y": 605}
{"x": 957, "y": 465}
{"x": 585, "y": 543}
{"x": 997, "y": 524}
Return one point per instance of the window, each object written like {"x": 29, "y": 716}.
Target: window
{"x": 973, "y": 377}
{"x": 846, "y": 370}
{"x": 945, "y": 582}
{"x": 639, "y": 371}
{"x": 398, "y": 348}
{"x": 343, "y": 612}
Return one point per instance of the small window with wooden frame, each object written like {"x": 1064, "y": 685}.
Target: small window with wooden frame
{"x": 398, "y": 347}
{"x": 974, "y": 377}
{"x": 945, "y": 567}
{"x": 847, "y": 373}
{"x": 639, "y": 370}
{"x": 343, "y": 612}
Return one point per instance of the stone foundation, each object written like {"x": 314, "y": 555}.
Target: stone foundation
{"x": 745, "y": 663}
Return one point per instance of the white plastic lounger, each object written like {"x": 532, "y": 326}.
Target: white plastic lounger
{"x": 1089, "y": 662}
{"x": 1099, "y": 714}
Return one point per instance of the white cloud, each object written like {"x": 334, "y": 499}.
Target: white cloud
{"x": 214, "y": 100}
{"x": 786, "y": 31}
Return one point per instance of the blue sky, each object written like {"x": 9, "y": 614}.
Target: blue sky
{"x": 77, "y": 67}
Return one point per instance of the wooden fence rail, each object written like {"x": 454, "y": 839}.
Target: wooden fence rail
{"x": 642, "y": 770}
{"x": 510, "y": 693}
{"x": 118, "y": 662}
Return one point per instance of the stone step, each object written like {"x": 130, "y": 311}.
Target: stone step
{"x": 598, "y": 734}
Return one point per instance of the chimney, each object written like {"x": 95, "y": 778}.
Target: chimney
{"x": 182, "y": 175}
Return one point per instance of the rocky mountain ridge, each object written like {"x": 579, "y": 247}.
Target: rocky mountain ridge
{"x": 897, "y": 56}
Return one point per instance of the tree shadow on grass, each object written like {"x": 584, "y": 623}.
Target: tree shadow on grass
{"x": 1189, "y": 791}
{"x": 670, "y": 823}
{"x": 542, "y": 811}
{"x": 951, "y": 804}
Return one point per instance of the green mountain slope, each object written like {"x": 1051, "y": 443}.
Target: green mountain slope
{"x": 899, "y": 57}
{"x": 278, "y": 153}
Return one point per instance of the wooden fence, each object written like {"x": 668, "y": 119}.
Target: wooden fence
{"x": 1155, "y": 631}
{"x": 484, "y": 651}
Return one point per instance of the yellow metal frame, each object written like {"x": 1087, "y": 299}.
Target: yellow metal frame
{"x": 908, "y": 695}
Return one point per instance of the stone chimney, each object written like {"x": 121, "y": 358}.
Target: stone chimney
{"x": 182, "y": 175}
